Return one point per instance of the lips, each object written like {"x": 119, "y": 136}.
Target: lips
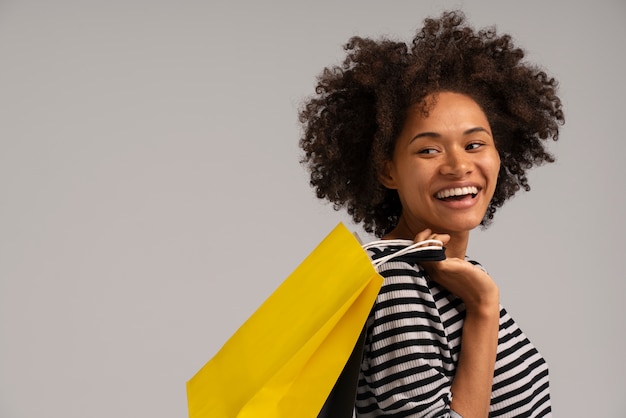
{"x": 457, "y": 192}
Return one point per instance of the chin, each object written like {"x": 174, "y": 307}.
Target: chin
{"x": 462, "y": 225}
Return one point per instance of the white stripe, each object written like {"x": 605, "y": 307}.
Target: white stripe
{"x": 442, "y": 348}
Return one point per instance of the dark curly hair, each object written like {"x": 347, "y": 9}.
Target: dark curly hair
{"x": 352, "y": 122}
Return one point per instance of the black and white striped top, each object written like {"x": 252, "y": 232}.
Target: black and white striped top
{"x": 413, "y": 346}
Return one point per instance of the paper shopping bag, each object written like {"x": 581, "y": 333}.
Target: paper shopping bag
{"x": 284, "y": 360}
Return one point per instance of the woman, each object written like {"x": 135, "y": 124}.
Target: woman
{"x": 427, "y": 141}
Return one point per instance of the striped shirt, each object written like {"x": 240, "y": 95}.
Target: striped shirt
{"x": 412, "y": 349}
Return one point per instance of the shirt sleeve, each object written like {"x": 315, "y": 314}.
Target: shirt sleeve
{"x": 409, "y": 360}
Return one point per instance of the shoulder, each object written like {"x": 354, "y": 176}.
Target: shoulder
{"x": 406, "y": 288}
{"x": 398, "y": 271}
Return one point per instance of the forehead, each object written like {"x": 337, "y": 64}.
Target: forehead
{"x": 445, "y": 104}
{"x": 445, "y": 108}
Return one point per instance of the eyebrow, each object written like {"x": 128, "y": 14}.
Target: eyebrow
{"x": 437, "y": 135}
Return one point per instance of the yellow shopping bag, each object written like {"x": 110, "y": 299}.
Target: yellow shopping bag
{"x": 284, "y": 360}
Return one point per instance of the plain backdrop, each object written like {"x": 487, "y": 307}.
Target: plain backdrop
{"x": 151, "y": 195}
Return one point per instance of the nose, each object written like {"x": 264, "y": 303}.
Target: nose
{"x": 456, "y": 163}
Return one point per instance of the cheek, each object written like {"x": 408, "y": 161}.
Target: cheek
{"x": 492, "y": 164}
{"x": 491, "y": 170}
{"x": 496, "y": 171}
{"x": 494, "y": 182}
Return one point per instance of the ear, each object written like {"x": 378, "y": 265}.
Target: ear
{"x": 387, "y": 175}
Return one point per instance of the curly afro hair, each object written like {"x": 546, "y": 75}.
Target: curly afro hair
{"x": 352, "y": 122}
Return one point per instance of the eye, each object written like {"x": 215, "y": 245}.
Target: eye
{"x": 427, "y": 151}
{"x": 473, "y": 146}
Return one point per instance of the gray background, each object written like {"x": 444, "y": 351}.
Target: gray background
{"x": 151, "y": 196}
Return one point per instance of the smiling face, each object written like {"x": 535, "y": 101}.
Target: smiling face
{"x": 445, "y": 167}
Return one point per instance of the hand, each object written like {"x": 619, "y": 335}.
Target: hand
{"x": 470, "y": 283}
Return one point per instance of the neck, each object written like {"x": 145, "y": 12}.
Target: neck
{"x": 457, "y": 246}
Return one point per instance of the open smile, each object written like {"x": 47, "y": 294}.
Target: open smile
{"x": 457, "y": 193}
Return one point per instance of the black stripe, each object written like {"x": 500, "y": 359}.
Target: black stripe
{"x": 395, "y": 361}
{"x": 522, "y": 403}
{"x": 411, "y": 338}
{"x": 399, "y": 345}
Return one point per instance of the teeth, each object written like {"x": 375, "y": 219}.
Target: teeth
{"x": 458, "y": 191}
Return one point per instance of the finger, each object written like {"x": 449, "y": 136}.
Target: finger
{"x": 444, "y": 238}
{"x": 429, "y": 234}
{"x": 425, "y": 234}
